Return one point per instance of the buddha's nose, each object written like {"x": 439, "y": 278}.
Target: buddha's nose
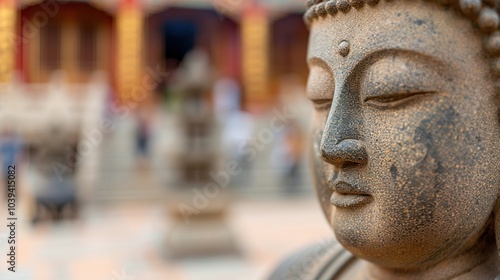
{"x": 341, "y": 144}
{"x": 346, "y": 152}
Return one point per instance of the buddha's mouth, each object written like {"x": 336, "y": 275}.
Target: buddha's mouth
{"x": 346, "y": 195}
{"x": 349, "y": 200}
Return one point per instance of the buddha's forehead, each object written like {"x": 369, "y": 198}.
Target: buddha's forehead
{"x": 416, "y": 26}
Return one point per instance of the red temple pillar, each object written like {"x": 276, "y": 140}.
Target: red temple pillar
{"x": 129, "y": 31}
{"x": 255, "y": 54}
{"x": 8, "y": 44}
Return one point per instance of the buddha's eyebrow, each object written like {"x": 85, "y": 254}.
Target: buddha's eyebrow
{"x": 419, "y": 57}
{"x": 378, "y": 55}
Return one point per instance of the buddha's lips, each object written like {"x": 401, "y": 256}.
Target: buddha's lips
{"x": 349, "y": 200}
{"x": 345, "y": 188}
{"x": 346, "y": 195}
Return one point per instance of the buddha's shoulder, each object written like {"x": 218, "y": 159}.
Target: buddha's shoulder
{"x": 324, "y": 260}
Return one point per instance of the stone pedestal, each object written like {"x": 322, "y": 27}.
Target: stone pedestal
{"x": 204, "y": 232}
{"x": 196, "y": 203}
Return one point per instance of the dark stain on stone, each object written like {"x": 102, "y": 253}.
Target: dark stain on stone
{"x": 394, "y": 172}
{"x": 419, "y": 22}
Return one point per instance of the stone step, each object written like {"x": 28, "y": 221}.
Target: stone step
{"x": 128, "y": 195}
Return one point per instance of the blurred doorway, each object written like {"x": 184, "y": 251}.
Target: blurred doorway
{"x": 179, "y": 39}
{"x": 174, "y": 31}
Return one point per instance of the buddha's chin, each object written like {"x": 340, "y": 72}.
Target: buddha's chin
{"x": 357, "y": 231}
{"x": 380, "y": 253}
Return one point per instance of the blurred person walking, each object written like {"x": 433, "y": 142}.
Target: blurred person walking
{"x": 10, "y": 147}
{"x": 144, "y": 132}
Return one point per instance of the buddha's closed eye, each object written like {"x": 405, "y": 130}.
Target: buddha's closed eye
{"x": 396, "y": 81}
{"x": 322, "y": 104}
{"x": 320, "y": 86}
{"x": 389, "y": 82}
{"x": 394, "y": 100}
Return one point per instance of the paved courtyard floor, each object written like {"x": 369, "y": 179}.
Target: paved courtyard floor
{"x": 126, "y": 241}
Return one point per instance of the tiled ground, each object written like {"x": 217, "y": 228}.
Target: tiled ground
{"x": 127, "y": 241}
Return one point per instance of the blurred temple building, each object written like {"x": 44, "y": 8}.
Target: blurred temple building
{"x": 255, "y": 42}
{"x": 68, "y": 64}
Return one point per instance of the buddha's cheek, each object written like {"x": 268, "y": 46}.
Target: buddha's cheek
{"x": 435, "y": 179}
{"x": 401, "y": 220}
{"x": 429, "y": 198}
{"x": 413, "y": 189}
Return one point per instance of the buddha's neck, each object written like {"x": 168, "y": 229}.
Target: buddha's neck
{"x": 479, "y": 262}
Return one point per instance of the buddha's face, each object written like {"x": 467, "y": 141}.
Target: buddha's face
{"x": 406, "y": 131}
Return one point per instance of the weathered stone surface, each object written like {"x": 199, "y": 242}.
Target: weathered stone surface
{"x": 406, "y": 136}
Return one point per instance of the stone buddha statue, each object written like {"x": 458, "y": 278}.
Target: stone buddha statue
{"x": 406, "y": 139}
